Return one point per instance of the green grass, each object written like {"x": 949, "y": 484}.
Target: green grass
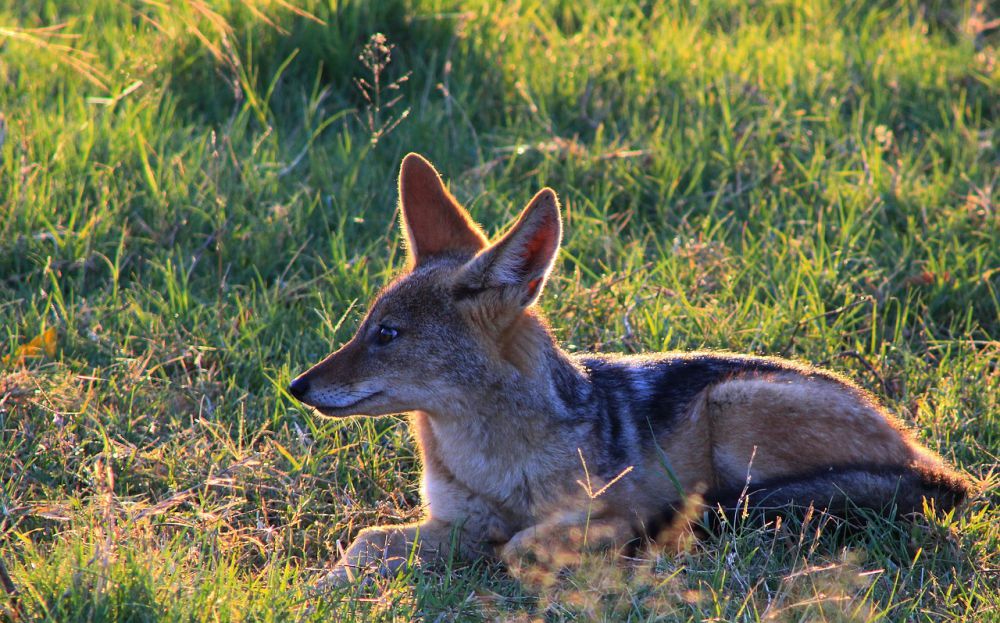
{"x": 194, "y": 201}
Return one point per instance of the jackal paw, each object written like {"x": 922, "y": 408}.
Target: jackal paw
{"x": 347, "y": 574}
{"x": 543, "y": 545}
{"x": 339, "y": 577}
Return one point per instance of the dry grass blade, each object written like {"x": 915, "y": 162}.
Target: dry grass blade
{"x": 12, "y": 593}
{"x": 79, "y": 60}
{"x": 299, "y": 11}
{"x": 222, "y": 31}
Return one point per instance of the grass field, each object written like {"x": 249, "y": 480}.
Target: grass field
{"x": 196, "y": 201}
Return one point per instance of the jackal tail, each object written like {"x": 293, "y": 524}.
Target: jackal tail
{"x": 879, "y": 488}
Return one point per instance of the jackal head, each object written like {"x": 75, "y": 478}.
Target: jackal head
{"x": 457, "y": 323}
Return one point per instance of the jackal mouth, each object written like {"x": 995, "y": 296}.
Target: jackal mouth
{"x": 339, "y": 410}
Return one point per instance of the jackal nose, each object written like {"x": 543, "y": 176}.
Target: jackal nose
{"x": 299, "y": 387}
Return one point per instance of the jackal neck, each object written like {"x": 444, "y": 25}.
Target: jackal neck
{"x": 535, "y": 383}
{"x": 527, "y": 344}
{"x": 511, "y": 436}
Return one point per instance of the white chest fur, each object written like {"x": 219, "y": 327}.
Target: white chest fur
{"x": 512, "y": 469}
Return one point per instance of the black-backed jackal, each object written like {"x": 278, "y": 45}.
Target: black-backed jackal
{"x": 505, "y": 419}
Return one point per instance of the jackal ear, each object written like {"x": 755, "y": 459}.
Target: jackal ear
{"x": 519, "y": 263}
{"x": 432, "y": 219}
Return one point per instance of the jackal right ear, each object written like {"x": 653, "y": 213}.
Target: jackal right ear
{"x": 516, "y": 266}
{"x": 433, "y": 220}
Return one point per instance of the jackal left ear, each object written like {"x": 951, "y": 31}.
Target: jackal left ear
{"x": 433, "y": 220}
{"x": 519, "y": 263}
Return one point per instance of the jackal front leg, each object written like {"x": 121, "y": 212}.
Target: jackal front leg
{"x": 385, "y": 550}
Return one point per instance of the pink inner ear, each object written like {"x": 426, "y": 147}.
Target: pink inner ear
{"x": 533, "y": 286}
{"x": 537, "y": 245}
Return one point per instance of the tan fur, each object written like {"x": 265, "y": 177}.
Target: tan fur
{"x": 690, "y": 451}
{"x": 524, "y": 445}
{"x": 523, "y": 341}
{"x": 748, "y": 416}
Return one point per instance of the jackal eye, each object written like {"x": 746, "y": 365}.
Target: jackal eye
{"x": 385, "y": 335}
